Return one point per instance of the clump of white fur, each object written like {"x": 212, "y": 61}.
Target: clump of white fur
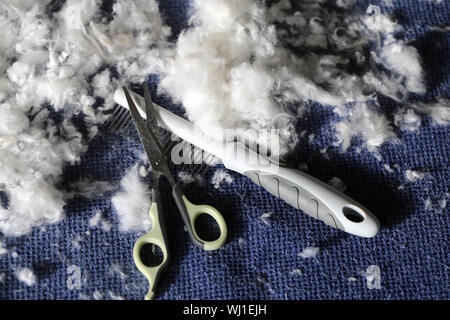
{"x": 132, "y": 203}
{"x": 309, "y": 252}
{"x": 363, "y": 121}
{"x": 26, "y": 275}
{"x": 412, "y": 175}
{"x": 225, "y": 89}
{"x": 46, "y": 60}
{"x": 439, "y": 111}
{"x": 221, "y": 176}
{"x": 97, "y": 220}
{"x": 243, "y": 76}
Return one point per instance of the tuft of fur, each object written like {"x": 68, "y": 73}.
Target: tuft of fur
{"x": 220, "y": 176}
{"x": 26, "y": 275}
{"x": 412, "y": 175}
{"x": 52, "y": 63}
{"x": 132, "y": 203}
{"x": 245, "y": 76}
{"x": 365, "y": 122}
{"x": 309, "y": 252}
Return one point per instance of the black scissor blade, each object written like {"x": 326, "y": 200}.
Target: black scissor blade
{"x": 151, "y": 146}
{"x": 152, "y": 123}
{"x": 149, "y": 141}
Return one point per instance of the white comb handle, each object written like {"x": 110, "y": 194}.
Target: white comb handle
{"x": 300, "y": 190}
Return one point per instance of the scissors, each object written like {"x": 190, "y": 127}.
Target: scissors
{"x": 157, "y": 236}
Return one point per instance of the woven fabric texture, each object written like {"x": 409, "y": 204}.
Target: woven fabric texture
{"x": 261, "y": 259}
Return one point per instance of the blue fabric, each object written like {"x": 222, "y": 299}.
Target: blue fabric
{"x": 258, "y": 260}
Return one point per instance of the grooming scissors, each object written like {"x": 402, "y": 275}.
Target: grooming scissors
{"x": 148, "y": 134}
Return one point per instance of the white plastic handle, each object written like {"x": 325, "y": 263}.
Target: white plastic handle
{"x": 304, "y": 192}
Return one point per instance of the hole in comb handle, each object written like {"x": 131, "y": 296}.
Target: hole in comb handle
{"x": 352, "y": 215}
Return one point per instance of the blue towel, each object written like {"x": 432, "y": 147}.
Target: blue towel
{"x": 262, "y": 258}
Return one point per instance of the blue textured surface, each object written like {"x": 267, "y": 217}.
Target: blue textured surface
{"x": 257, "y": 262}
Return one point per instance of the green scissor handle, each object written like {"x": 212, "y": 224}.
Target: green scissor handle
{"x": 194, "y": 211}
{"x": 155, "y": 236}
{"x": 190, "y": 212}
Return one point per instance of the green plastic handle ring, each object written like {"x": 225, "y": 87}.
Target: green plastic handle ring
{"x": 194, "y": 211}
{"x": 154, "y": 236}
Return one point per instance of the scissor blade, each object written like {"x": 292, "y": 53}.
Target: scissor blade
{"x": 149, "y": 141}
{"x": 152, "y": 123}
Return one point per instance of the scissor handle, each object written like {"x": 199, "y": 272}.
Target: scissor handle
{"x": 156, "y": 236}
{"x": 190, "y": 212}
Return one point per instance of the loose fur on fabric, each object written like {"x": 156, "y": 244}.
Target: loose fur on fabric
{"x": 309, "y": 252}
{"x": 256, "y": 61}
{"x": 54, "y": 61}
{"x": 345, "y": 78}
{"x": 221, "y": 176}
{"x": 132, "y": 203}
{"x": 26, "y": 275}
{"x": 250, "y": 65}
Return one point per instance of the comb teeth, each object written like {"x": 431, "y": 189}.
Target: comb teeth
{"x": 121, "y": 122}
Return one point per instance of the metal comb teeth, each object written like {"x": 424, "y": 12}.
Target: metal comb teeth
{"x": 121, "y": 122}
